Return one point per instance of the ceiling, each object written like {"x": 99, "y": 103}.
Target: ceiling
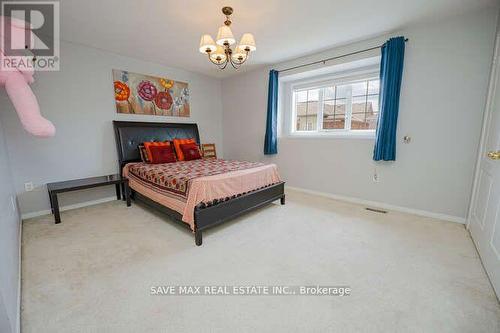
{"x": 168, "y": 32}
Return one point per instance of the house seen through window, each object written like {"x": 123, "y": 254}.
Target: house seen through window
{"x": 349, "y": 106}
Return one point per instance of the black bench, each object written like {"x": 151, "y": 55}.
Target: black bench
{"x": 84, "y": 183}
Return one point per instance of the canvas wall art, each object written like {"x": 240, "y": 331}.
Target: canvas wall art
{"x": 150, "y": 95}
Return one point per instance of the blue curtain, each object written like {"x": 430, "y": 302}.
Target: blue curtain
{"x": 271, "y": 140}
{"x": 391, "y": 73}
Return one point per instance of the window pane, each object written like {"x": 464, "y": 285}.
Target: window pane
{"x": 359, "y": 88}
{"x": 372, "y": 109}
{"x": 340, "y": 106}
{"x": 313, "y": 95}
{"x": 343, "y": 91}
{"x": 371, "y": 121}
{"x": 358, "y": 104}
{"x": 334, "y": 114}
{"x": 372, "y": 104}
{"x": 301, "y": 96}
{"x": 312, "y": 114}
{"x": 328, "y": 106}
{"x": 329, "y": 93}
{"x": 328, "y": 114}
{"x": 360, "y": 111}
{"x": 301, "y": 109}
{"x": 359, "y": 122}
{"x": 364, "y": 113}
{"x": 373, "y": 87}
{"x": 306, "y": 110}
{"x": 311, "y": 123}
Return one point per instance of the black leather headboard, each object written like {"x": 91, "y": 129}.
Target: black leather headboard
{"x": 130, "y": 134}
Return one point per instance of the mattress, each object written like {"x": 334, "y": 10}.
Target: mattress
{"x": 181, "y": 186}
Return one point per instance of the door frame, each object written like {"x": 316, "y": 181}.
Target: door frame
{"x": 492, "y": 84}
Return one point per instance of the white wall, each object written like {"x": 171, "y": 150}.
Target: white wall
{"x": 9, "y": 245}
{"x": 79, "y": 100}
{"x": 442, "y": 100}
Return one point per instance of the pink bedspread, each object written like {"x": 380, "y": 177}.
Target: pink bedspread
{"x": 182, "y": 185}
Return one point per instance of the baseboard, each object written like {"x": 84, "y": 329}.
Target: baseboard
{"x": 382, "y": 205}
{"x": 19, "y": 290}
{"x": 68, "y": 207}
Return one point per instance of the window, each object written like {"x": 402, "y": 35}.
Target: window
{"x": 348, "y": 106}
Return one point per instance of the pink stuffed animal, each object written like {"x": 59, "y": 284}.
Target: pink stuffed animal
{"x": 17, "y": 86}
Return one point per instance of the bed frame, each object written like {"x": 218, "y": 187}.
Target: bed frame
{"x": 129, "y": 134}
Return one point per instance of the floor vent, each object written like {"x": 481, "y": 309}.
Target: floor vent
{"x": 381, "y": 211}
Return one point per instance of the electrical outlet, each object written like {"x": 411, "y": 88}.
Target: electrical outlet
{"x": 13, "y": 203}
{"x": 375, "y": 178}
{"x": 28, "y": 187}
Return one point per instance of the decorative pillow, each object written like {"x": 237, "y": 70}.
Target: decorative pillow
{"x": 144, "y": 154}
{"x": 177, "y": 145}
{"x": 190, "y": 151}
{"x": 162, "y": 154}
{"x": 148, "y": 145}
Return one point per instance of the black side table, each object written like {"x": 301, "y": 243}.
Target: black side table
{"x": 84, "y": 183}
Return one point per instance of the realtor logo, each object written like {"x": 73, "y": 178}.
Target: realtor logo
{"x": 29, "y": 35}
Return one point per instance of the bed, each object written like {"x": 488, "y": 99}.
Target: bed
{"x": 201, "y": 193}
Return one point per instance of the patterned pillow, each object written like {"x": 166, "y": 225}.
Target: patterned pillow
{"x": 148, "y": 145}
{"x": 162, "y": 154}
{"x": 190, "y": 151}
{"x": 177, "y": 145}
{"x": 143, "y": 153}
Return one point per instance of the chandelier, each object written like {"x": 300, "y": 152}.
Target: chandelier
{"x": 220, "y": 52}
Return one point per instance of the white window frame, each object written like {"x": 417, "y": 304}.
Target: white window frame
{"x": 289, "y": 105}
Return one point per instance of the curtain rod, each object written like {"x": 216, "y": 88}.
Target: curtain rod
{"x": 333, "y": 58}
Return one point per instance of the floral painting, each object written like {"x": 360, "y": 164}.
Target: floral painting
{"x": 144, "y": 94}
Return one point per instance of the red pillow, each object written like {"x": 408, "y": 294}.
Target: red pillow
{"x": 147, "y": 145}
{"x": 177, "y": 144}
{"x": 162, "y": 154}
{"x": 190, "y": 151}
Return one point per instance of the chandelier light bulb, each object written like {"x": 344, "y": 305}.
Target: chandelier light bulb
{"x": 207, "y": 44}
{"x": 225, "y": 35}
{"x": 239, "y": 54}
{"x": 247, "y": 42}
{"x": 219, "y": 56}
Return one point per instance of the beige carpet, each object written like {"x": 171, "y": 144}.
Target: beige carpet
{"x": 93, "y": 272}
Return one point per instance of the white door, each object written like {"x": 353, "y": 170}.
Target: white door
{"x": 484, "y": 215}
